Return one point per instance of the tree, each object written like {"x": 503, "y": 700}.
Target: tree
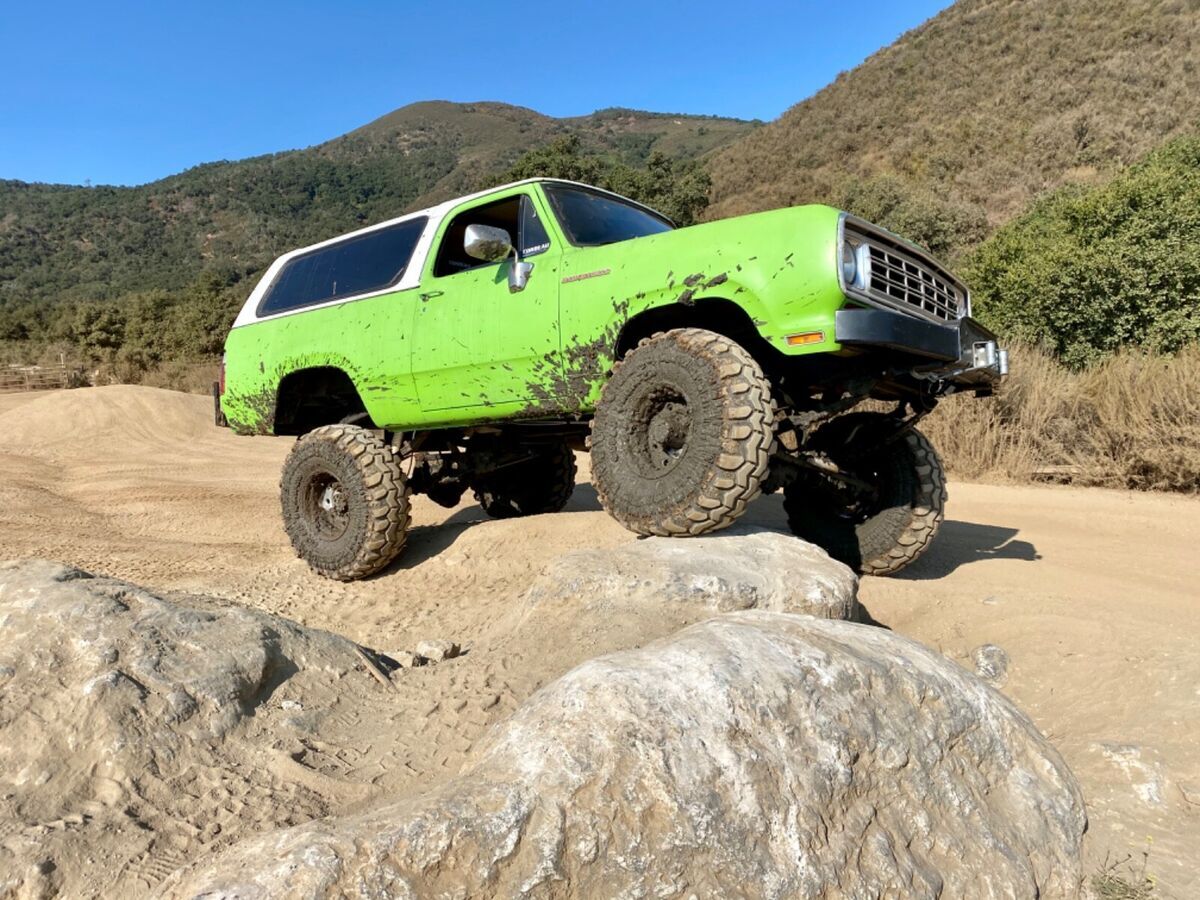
{"x": 98, "y": 329}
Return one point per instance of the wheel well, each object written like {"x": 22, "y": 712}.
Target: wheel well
{"x": 310, "y": 398}
{"x": 722, "y": 316}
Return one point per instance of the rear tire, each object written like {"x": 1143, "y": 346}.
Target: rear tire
{"x": 345, "y": 502}
{"x": 883, "y": 534}
{"x": 682, "y": 435}
{"x": 542, "y": 484}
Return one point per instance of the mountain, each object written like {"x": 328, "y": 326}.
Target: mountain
{"x": 983, "y": 107}
{"x": 61, "y": 242}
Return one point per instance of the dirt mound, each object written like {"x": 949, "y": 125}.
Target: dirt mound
{"x": 125, "y": 416}
{"x": 695, "y": 767}
{"x": 10, "y": 401}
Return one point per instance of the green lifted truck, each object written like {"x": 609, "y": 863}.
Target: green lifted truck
{"x": 478, "y": 344}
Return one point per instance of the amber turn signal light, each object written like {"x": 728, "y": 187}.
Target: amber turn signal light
{"x": 807, "y": 337}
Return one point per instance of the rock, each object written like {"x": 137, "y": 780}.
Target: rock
{"x": 991, "y": 664}
{"x": 742, "y": 567}
{"x": 598, "y": 601}
{"x": 437, "y": 651}
{"x": 404, "y": 659}
{"x": 118, "y": 700}
{"x": 756, "y": 754}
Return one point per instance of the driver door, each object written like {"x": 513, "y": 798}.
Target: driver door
{"x": 475, "y": 343}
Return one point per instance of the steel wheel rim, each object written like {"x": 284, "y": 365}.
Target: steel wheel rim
{"x": 326, "y": 506}
{"x": 669, "y": 427}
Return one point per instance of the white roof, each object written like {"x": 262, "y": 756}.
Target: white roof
{"x": 412, "y": 274}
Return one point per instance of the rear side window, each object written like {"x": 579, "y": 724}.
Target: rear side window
{"x": 358, "y": 265}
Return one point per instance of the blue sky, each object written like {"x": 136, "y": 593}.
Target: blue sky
{"x": 126, "y": 93}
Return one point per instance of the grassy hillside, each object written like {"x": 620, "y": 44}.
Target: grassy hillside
{"x": 63, "y": 243}
{"x": 982, "y": 108}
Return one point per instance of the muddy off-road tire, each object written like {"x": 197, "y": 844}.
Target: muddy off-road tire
{"x": 682, "y": 434}
{"x": 542, "y": 484}
{"x": 345, "y": 502}
{"x": 880, "y": 533}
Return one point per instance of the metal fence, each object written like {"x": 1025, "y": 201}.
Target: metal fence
{"x": 33, "y": 378}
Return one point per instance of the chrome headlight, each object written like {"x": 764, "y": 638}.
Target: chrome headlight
{"x": 855, "y": 264}
{"x": 849, "y": 263}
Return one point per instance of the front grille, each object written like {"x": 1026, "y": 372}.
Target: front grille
{"x": 901, "y": 280}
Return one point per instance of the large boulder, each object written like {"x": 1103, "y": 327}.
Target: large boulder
{"x": 127, "y": 728}
{"x": 597, "y": 601}
{"x": 742, "y": 567}
{"x": 756, "y": 754}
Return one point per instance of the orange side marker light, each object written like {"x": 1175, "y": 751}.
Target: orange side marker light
{"x": 807, "y": 337}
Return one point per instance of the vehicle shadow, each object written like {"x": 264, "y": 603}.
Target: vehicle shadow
{"x": 960, "y": 543}
{"x": 957, "y": 543}
{"x": 427, "y": 541}
{"x": 584, "y": 499}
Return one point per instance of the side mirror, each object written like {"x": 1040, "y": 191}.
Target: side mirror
{"x": 487, "y": 242}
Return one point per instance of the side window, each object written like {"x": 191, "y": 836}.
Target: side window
{"x": 357, "y": 265}
{"x": 516, "y": 215}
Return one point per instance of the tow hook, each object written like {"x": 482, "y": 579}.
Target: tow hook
{"x": 988, "y": 355}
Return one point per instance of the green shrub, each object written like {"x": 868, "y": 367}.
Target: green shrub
{"x": 1088, "y": 272}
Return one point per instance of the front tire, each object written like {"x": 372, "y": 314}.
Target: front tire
{"x": 682, "y": 435}
{"x": 882, "y": 531}
{"x": 345, "y": 502}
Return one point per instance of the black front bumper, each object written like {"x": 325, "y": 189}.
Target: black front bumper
{"x": 964, "y": 352}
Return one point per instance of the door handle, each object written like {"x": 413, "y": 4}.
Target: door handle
{"x": 430, "y": 295}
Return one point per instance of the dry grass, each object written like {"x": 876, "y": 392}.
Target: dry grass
{"x": 1123, "y": 880}
{"x": 193, "y": 376}
{"x": 1132, "y": 421}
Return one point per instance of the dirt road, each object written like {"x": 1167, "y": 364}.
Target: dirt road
{"x": 1091, "y": 593}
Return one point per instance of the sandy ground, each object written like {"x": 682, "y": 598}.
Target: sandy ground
{"x": 1091, "y": 593}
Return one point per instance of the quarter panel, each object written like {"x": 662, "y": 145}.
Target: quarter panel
{"x": 368, "y": 339}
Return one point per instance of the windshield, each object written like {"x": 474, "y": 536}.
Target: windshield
{"x": 592, "y": 219}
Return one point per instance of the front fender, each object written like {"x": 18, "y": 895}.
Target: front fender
{"x": 779, "y": 267}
